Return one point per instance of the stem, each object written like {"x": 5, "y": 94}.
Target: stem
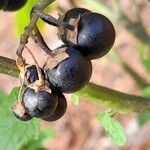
{"x": 28, "y": 30}
{"x": 118, "y": 101}
{"x": 38, "y": 39}
{"x": 53, "y": 21}
{"x": 8, "y": 67}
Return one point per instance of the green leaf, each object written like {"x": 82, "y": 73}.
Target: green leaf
{"x": 44, "y": 135}
{"x": 75, "y": 99}
{"x": 3, "y": 96}
{"x": 15, "y": 133}
{"x": 23, "y": 16}
{"x": 113, "y": 128}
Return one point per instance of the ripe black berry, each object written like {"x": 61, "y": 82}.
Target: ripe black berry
{"x": 19, "y": 112}
{"x": 72, "y": 74}
{"x": 94, "y": 34}
{"x": 60, "y": 109}
{"x": 39, "y": 104}
{"x": 14, "y": 5}
{"x": 3, "y": 3}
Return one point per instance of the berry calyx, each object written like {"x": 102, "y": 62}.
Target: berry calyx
{"x": 20, "y": 112}
{"x": 60, "y": 109}
{"x": 40, "y": 103}
{"x": 71, "y": 74}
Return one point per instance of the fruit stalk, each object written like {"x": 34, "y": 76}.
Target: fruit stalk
{"x": 52, "y": 21}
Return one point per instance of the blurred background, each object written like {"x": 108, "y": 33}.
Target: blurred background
{"x": 125, "y": 68}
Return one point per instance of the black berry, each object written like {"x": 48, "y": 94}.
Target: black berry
{"x": 72, "y": 74}
{"x": 14, "y": 5}
{"x": 19, "y": 112}
{"x": 39, "y": 104}
{"x": 60, "y": 109}
{"x": 96, "y": 35}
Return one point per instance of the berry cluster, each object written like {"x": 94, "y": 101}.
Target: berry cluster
{"x": 86, "y": 35}
{"x": 38, "y": 99}
{"x": 12, "y": 5}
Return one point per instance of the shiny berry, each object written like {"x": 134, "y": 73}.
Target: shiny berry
{"x": 60, "y": 109}
{"x": 39, "y": 103}
{"x": 19, "y": 112}
{"x": 96, "y": 35}
{"x": 14, "y": 5}
{"x": 72, "y": 74}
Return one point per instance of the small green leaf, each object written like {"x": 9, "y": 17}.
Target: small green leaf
{"x": 44, "y": 135}
{"x": 15, "y": 133}
{"x": 113, "y": 128}
{"x": 75, "y": 99}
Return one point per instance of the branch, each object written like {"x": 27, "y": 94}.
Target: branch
{"x": 8, "y": 67}
{"x": 118, "y": 101}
